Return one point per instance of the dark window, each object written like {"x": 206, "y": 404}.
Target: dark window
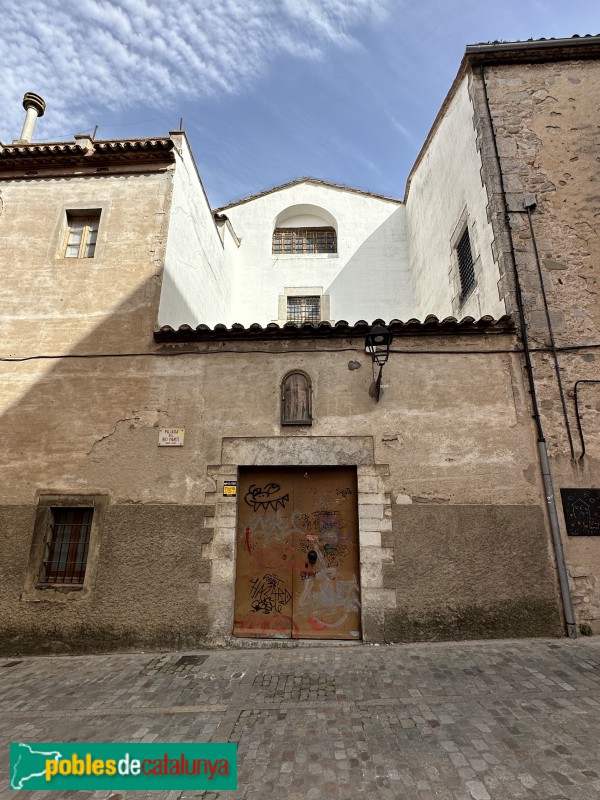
{"x": 296, "y": 399}
{"x": 66, "y": 546}
{"x": 304, "y": 309}
{"x": 304, "y": 240}
{"x": 465, "y": 264}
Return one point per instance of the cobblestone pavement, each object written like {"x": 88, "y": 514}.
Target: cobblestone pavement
{"x": 461, "y": 721}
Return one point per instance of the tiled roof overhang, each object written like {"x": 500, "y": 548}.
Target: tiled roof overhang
{"x": 497, "y": 53}
{"x": 431, "y": 326}
{"x": 534, "y": 50}
{"x": 78, "y": 153}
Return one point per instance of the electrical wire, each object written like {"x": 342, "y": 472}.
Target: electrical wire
{"x": 578, "y": 415}
{"x": 551, "y": 335}
{"x": 396, "y": 351}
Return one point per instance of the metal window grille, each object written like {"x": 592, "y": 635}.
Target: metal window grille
{"x": 466, "y": 270}
{"x": 82, "y": 233}
{"x": 304, "y": 240}
{"x": 304, "y": 309}
{"x": 66, "y": 546}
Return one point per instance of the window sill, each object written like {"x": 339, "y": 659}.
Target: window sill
{"x": 282, "y": 322}
{"x": 56, "y": 593}
{"x": 303, "y": 256}
{"x": 464, "y": 298}
{"x": 63, "y": 587}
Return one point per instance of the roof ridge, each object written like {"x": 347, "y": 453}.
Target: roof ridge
{"x": 305, "y": 179}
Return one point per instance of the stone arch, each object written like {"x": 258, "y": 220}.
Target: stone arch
{"x": 305, "y": 215}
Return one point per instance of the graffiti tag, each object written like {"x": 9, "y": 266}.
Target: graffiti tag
{"x": 269, "y": 496}
{"x": 268, "y": 594}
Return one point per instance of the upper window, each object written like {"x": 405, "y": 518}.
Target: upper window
{"x": 304, "y": 309}
{"x": 66, "y": 546}
{"x": 82, "y": 231}
{"x": 304, "y": 240}
{"x": 466, "y": 270}
{"x": 296, "y": 403}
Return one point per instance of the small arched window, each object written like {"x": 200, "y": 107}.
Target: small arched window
{"x": 296, "y": 399}
{"x": 304, "y": 230}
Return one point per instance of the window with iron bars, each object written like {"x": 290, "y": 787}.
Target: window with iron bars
{"x": 66, "y": 546}
{"x": 303, "y": 241}
{"x": 466, "y": 270}
{"x": 304, "y": 309}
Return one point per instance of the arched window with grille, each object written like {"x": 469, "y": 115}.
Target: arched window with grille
{"x": 304, "y": 241}
{"x": 296, "y": 399}
{"x": 304, "y": 230}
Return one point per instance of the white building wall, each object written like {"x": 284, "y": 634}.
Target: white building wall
{"x": 367, "y": 278}
{"x": 446, "y": 193}
{"x": 197, "y": 279}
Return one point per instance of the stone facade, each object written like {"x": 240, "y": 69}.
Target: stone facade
{"x": 167, "y": 544}
{"x": 547, "y": 147}
{"x": 453, "y": 527}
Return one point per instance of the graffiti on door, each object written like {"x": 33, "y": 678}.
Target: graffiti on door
{"x": 271, "y": 496}
{"x": 328, "y": 593}
{"x": 269, "y": 594}
{"x": 297, "y": 556}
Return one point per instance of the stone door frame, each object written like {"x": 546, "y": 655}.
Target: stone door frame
{"x": 374, "y": 518}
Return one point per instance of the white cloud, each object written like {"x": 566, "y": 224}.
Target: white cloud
{"x": 87, "y": 55}
{"x": 401, "y": 128}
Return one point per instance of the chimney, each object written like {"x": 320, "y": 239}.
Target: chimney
{"x": 34, "y": 106}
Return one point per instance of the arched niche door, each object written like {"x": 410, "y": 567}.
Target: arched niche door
{"x": 296, "y": 399}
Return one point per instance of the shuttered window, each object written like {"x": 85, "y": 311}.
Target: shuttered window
{"x": 302, "y": 241}
{"x": 82, "y": 232}
{"x": 296, "y": 399}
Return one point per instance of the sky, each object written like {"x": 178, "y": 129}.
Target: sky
{"x": 268, "y": 90}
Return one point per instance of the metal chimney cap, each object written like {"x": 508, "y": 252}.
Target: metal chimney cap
{"x": 32, "y": 100}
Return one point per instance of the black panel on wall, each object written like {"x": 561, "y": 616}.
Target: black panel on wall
{"x": 581, "y": 508}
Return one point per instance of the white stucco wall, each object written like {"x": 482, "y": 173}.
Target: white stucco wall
{"x": 445, "y": 192}
{"x": 367, "y": 278}
{"x": 196, "y": 285}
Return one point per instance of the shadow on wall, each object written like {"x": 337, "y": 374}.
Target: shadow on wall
{"x": 375, "y": 283}
{"x": 173, "y": 298}
{"x": 86, "y": 426}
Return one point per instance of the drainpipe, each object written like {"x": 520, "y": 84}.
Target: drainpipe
{"x": 530, "y": 203}
{"x": 563, "y": 578}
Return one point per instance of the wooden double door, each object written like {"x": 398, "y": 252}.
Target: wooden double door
{"x": 297, "y": 568}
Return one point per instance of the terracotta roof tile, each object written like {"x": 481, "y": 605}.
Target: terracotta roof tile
{"x": 431, "y": 325}
{"x": 87, "y": 151}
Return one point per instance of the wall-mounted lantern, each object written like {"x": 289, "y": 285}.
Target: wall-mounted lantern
{"x": 377, "y": 344}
